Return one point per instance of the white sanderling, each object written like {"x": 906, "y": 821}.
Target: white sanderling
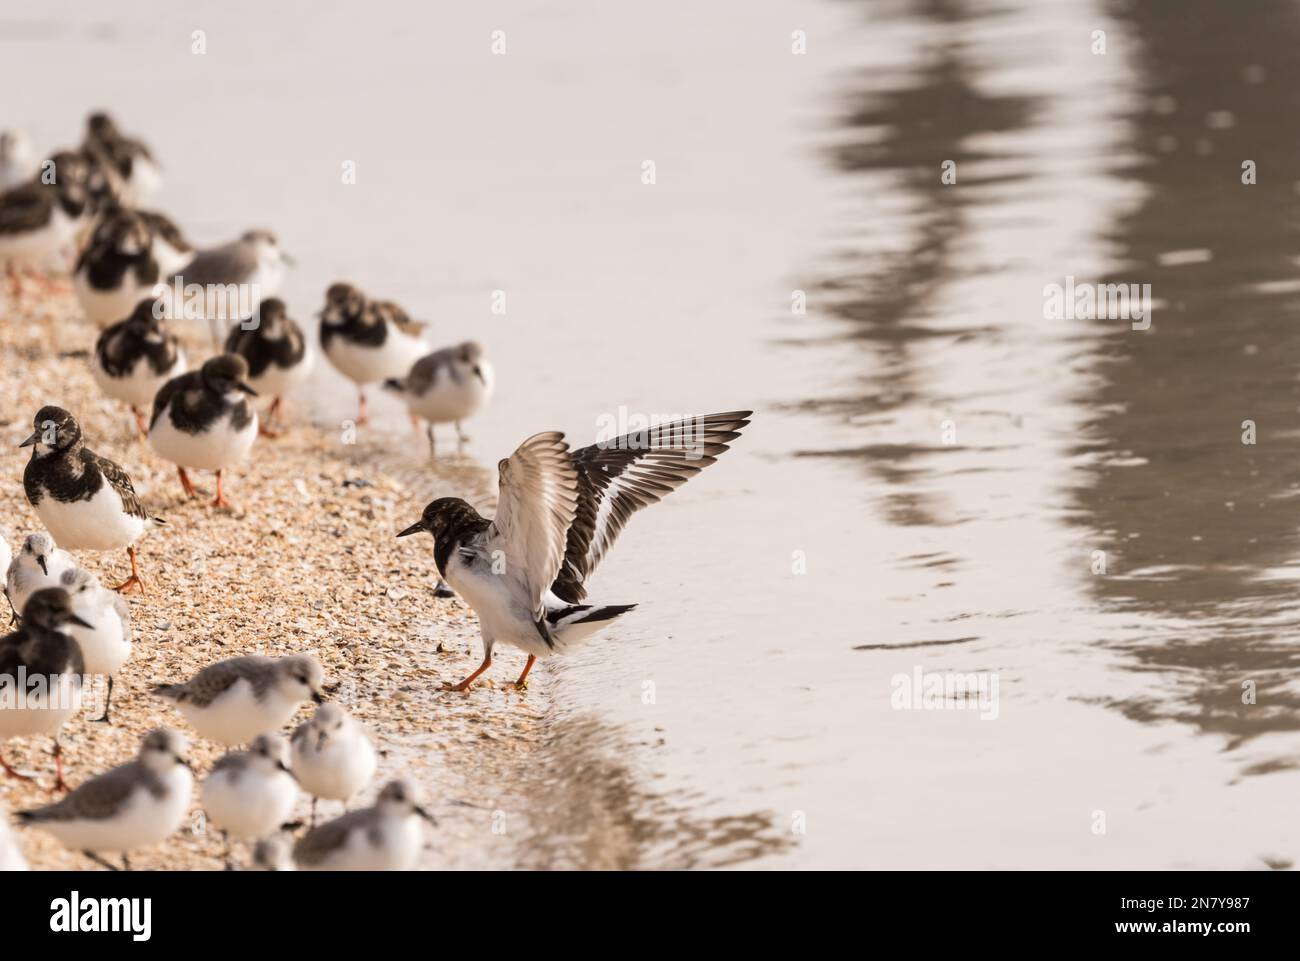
{"x": 274, "y": 854}
{"x": 252, "y": 268}
{"x": 134, "y": 172}
{"x": 41, "y": 648}
{"x": 128, "y": 254}
{"x": 233, "y": 701}
{"x": 85, "y": 501}
{"x": 18, "y": 162}
{"x": 367, "y": 341}
{"x": 204, "y": 420}
{"x": 134, "y": 357}
{"x": 106, "y": 645}
{"x": 386, "y": 837}
{"x": 250, "y": 794}
{"x": 39, "y": 563}
{"x": 333, "y": 757}
{"x": 276, "y": 353}
{"x": 558, "y": 513}
{"x": 135, "y": 805}
{"x": 446, "y": 387}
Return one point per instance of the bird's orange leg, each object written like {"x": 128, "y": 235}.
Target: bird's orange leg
{"x": 59, "y": 783}
{"x": 134, "y": 579}
{"x": 186, "y": 482}
{"x": 264, "y": 426}
{"x": 464, "y": 685}
{"x": 220, "y": 500}
{"x": 522, "y": 683}
{"x": 362, "y": 416}
{"x": 140, "y": 422}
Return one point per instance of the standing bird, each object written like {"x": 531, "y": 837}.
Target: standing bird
{"x": 135, "y": 357}
{"x": 203, "y": 420}
{"x": 386, "y": 837}
{"x": 106, "y": 646}
{"x": 367, "y": 341}
{"x": 84, "y": 500}
{"x": 39, "y": 223}
{"x": 276, "y": 353}
{"x": 234, "y": 279}
{"x": 128, "y": 162}
{"x": 558, "y": 513}
{"x": 38, "y": 564}
{"x": 129, "y": 253}
{"x": 41, "y": 666}
{"x": 17, "y": 159}
{"x": 233, "y": 701}
{"x": 332, "y": 756}
{"x": 249, "y": 794}
{"x": 446, "y": 386}
{"x": 132, "y": 806}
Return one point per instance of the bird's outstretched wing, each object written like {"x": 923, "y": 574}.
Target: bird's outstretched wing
{"x": 539, "y": 493}
{"x": 618, "y": 477}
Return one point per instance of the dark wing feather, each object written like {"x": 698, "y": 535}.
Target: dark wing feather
{"x": 119, "y": 479}
{"x": 616, "y": 478}
{"x": 169, "y": 390}
{"x": 26, "y": 207}
{"x": 98, "y": 798}
{"x": 318, "y": 843}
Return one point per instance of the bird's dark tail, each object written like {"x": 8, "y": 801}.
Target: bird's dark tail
{"x": 173, "y": 692}
{"x": 574, "y": 623}
{"x": 394, "y": 384}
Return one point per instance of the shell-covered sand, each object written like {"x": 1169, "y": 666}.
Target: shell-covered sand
{"x": 305, "y": 562}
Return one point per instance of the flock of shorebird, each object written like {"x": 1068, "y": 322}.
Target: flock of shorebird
{"x": 524, "y": 572}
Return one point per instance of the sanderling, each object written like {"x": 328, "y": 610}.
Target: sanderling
{"x": 11, "y": 856}
{"x": 234, "y": 279}
{"x": 386, "y": 837}
{"x": 41, "y": 648}
{"x": 332, "y": 756}
{"x": 105, "y": 646}
{"x": 558, "y": 513}
{"x": 17, "y": 159}
{"x": 203, "y": 420}
{"x": 135, "y": 805}
{"x": 446, "y": 386}
{"x": 277, "y": 355}
{"x": 39, "y": 223}
{"x": 127, "y": 160}
{"x": 127, "y": 255}
{"x": 249, "y": 794}
{"x": 134, "y": 358}
{"x": 38, "y": 564}
{"x": 367, "y": 341}
{"x": 235, "y": 700}
{"x": 84, "y": 500}
{"x": 274, "y": 854}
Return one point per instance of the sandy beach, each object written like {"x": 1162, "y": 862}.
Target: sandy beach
{"x": 305, "y": 562}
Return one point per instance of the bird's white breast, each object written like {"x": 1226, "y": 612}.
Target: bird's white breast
{"x": 221, "y": 445}
{"x": 139, "y": 385}
{"x": 365, "y": 365}
{"x": 251, "y": 805}
{"x": 98, "y": 524}
{"x": 237, "y": 716}
{"x": 336, "y": 771}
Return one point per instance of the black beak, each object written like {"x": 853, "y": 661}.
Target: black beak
{"x": 426, "y": 815}
{"x": 36, "y": 435}
{"x": 280, "y": 765}
{"x": 45, "y": 568}
{"x": 413, "y": 529}
{"x": 315, "y": 696}
{"x": 74, "y": 619}
{"x": 245, "y": 388}
{"x": 478, "y": 372}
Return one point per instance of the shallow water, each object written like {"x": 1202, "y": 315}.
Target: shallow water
{"x": 939, "y": 460}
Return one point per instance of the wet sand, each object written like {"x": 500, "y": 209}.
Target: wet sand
{"x": 305, "y": 562}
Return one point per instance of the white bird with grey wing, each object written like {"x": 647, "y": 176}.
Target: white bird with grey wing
{"x": 446, "y": 387}
{"x": 106, "y": 644}
{"x": 558, "y": 513}
{"x": 38, "y": 564}
{"x": 234, "y": 279}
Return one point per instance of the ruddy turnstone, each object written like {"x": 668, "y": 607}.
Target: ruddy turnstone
{"x": 39, "y": 563}
{"x": 105, "y": 646}
{"x": 132, "y": 806}
{"x": 234, "y": 279}
{"x": 386, "y": 837}
{"x": 129, "y": 252}
{"x": 41, "y": 666}
{"x": 134, "y": 358}
{"x": 558, "y": 513}
{"x": 367, "y": 341}
{"x": 128, "y": 161}
{"x": 235, "y": 700}
{"x": 249, "y": 794}
{"x": 17, "y": 159}
{"x": 332, "y": 756}
{"x": 446, "y": 386}
{"x": 203, "y": 420}
{"x": 276, "y": 352}
{"x": 39, "y": 223}
{"x": 84, "y": 500}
